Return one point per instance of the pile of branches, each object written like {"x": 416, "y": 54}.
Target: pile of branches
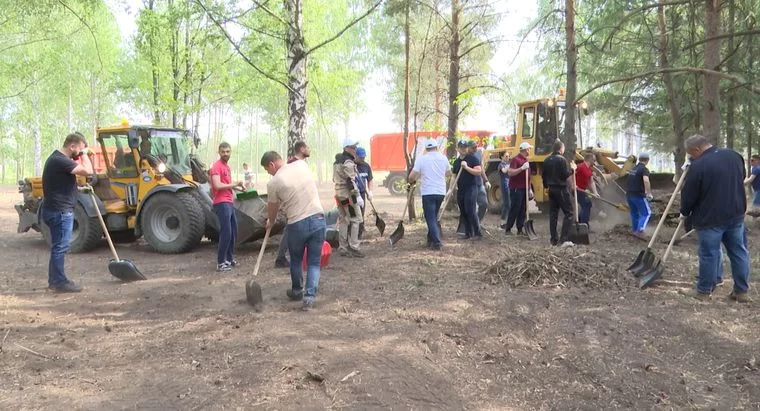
{"x": 554, "y": 268}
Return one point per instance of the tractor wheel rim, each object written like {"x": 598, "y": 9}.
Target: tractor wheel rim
{"x": 398, "y": 186}
{"x": 165, "y": 224}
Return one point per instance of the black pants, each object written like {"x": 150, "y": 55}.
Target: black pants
{"x": 559, "y": 198}
{"x": 517, "y": 209}
{"x": 467, "y": 199}
{"x": 363, "y": 194}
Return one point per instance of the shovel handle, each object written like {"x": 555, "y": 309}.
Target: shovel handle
{"x": 261, "y": 252}
{"x": 604, "y": 200}
{"x": 449, "y": 194}
{"x": 667, "y": 207}
{"x": 575, "y": 194}
{"x": 672, "y": 241}
{"x": 527, "y": 194}
{"x": 103, "y": 226}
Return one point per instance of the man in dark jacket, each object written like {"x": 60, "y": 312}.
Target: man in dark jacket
{"x": 467, "y": 190}
{"x": 638, "y": 195}
{"x": 713, "y": 196}
{"x": 558, "y": 178}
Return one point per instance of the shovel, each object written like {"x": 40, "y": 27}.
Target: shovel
{"x": 124, "y": 270}
{"x": 379, "y": 222}
{"x": 449, "y": 194}
{"x": 398, "y": 233}
{"x": 619, "y": 206}
{"x": 650, "y": 276}
{"x": 252, "y": 288}
{"x": 683, "y": 237}
{"x": 528, "y": 226}
{"x": 646, "y": 259}
{"x": 579, "y": 231}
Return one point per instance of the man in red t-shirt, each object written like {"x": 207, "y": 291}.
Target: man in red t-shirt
{"x": 221, "y": 191}
{"x": 517, "y": 188}
{"x": 584, "y": 180}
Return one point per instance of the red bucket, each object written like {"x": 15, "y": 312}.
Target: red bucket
{"x": 324, "y": 259}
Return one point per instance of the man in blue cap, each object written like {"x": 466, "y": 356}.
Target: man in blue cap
{"x": 363, "y": 182}
{"x": 639, "y": 194}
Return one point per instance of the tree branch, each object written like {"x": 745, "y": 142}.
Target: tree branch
{"x": 271, "y": 13}
{"x": 348, "y": 26}
{"x": 639, "y": 10}
{"x": 94, "y": 37}
{"x": 480, "y": 44}
{"x": 722, "y": 36}
{"x": 240, "y": 52}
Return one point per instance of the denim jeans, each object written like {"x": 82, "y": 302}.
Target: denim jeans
{"x": 640, "y": 212}
{"x": 227, "y": 232}
{"x": 431, "y": 204}
{"x": 505, "y": 201}
{"x": 467, "y": 200}
{"x": 517, "y": 210}
{"x": 61, "y": 223}
{"x": 733, "y": 237}
{"x": 584, "y": 207}
{"x": 308, "y": 234}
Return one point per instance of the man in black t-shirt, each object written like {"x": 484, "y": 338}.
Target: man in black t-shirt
{"x": 467, "y": 190}
{"x": 59, "y": 186}
{"x": 558, "y": 178}
{"x": 638, "y": 194}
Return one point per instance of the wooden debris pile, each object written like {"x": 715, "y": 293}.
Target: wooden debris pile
{"x": 555, "y": 267}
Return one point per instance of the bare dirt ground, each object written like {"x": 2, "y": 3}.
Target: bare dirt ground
{"x": 400, "y": 329}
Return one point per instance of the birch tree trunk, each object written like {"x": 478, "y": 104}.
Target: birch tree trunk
{"x": 37, "y": 133}
{"x": 711, "y": 102}
{"x": 297, "y": 81}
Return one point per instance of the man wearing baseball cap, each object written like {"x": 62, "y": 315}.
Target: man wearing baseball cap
{"x": 432, "y": 169}
{"x": 517, "y": 188}
{"x": 638, "y": 194}
{"x": 363, "y": 181}
{"x": 348, "y": 199}
{"x": 467, "y": 190}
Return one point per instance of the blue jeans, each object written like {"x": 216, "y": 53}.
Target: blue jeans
{"x": 517, "y": 209}
{"x": 756, "y": 198}
{"x": 431, "y": 204}
{"x": 227, "y": 232}
{"x": 61, "y": 223}
{"x": 467, "y": 200}
{"x": 584, "y": 207}
{"x": 733, "y": 237}
{"x": 505, "y": 201}
{"x": 308, "y": 234}
{"x": 640, "y": 212}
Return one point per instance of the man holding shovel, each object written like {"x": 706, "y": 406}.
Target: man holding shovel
{"x": 302, "y": 152}
{"x": 558, "y": 178}
{"x": 348, "y": 199}
{"x": 713, "y": 195}
{"x": 517, "y": 188}
{"x": 584, "y": 181}
{"x": 467, "y": 190}
{"x": 639, "y": 194}
{"x": 432, "y": 168}
{"x": 293, "y": 189}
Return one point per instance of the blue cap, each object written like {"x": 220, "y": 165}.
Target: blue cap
{"x": 361, "y": 152}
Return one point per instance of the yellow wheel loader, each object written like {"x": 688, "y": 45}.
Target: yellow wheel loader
{"x": 540, "y": 122}
{"x": 148, "y": 184}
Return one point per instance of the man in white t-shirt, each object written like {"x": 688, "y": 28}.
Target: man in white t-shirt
{"x": 293, "y": 189}
{"x": 431, "y": 169}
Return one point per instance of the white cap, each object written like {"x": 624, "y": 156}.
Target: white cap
{"x": 349, "y": 141}
{"x": 525, "y": 145}
{"x": 431, "y": 144}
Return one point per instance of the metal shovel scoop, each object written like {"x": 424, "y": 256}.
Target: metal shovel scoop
{"x": 528, "y": 226}
{"x": 578, "y": 231}
{"x": 650, "y": 276}
{"x": 252, "y": 288}
{"x": 398, "y": 233}
{"x": 124, "y": 270}
{"x": 379, "y": 222}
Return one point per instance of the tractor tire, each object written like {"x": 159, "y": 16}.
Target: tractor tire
{"x": 172, "y": 223}
{"x": 85, "y": 234}
{"x": 494, "y": 194}
{"x": 397, "y": 185}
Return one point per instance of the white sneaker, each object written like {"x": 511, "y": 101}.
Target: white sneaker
{"x": 567, "y": 244}
{"x": 225, "y": 266}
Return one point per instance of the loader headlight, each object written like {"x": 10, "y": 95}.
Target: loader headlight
{"x": 161, "y": 167}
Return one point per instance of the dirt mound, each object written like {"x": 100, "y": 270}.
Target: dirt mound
{"x": 556, "y": 267}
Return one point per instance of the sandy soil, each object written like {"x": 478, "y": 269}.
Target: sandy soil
{"x": 403, "y": 328}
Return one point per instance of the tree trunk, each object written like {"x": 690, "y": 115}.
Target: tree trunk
{"x": 711, "y": 102}
{"x": 456, "y": 10}
{"x": 70, "y": 112}
{"x": 36, "y": 132}
{"x": 572, "y": 58}
{"x": 694, "y": 61}
{"x": 407, "y": 74}
{"x": 731, "y": 106}
{"x": 175, "y": 68}
{"x": 749, "y": 118}
{"x": 674, "y": 99}
{"x": 297, "y": 82}
{"x": 188, "y": 72}
{"x": 154, "y": 74}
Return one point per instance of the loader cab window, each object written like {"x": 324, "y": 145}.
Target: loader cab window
{"x": 119, "y": 158}
{"x": 528, "y": 119}
{"x": 172, "y": 147}
{"x": 547, "y": 129}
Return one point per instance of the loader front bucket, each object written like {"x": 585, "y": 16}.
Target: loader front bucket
{"x": 251, "y": 214}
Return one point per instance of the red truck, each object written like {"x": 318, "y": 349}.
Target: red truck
{"x": 387, "y": 151}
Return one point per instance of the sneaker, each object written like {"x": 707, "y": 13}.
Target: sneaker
{"x": 355, "y": 253}
{"x": 640, "y": 235}
{"x": 436, "y": 247}
{"x": 567, "y": 244}
{"x": 463, "y": 236}
{"x": 225, "y": 266}
{"x": 233, "y": 263}
{"x": 293, "y": 295}
{"x": 67, "y": 287}
{"x": 476, "y": 238}
{"x": 739, "y": 297}
{"x": 697, "y": 295}
{"x": 308, "y": 304}
{"x": 281, "y": 263}
{"x": 508, "y": 232}
{"x": 343, "y": 252}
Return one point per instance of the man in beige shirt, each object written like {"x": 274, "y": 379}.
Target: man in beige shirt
{"x": 293, "y": 189}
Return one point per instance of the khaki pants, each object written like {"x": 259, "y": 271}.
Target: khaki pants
{"x": 349, "y": 219}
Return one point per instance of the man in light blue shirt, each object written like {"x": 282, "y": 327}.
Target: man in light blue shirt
{"x": 431, "y": 169}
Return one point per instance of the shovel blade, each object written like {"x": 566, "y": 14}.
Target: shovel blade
{"x": 637, "y": 263}
{"x": 397, "y": 234}
{"x": 649, "y": 277}
{"x": 649, "y": 263}
{"x": 253, "y": 293}
{"x": 579, "y": 234}
{"x": 380, "y": 224}
{"x": 125, "y": 271}
{"x": 530, "y": 231}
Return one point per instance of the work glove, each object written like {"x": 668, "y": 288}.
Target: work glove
{"x": 464, "y": 164}
{"x": 685, "y": 165}
{"x": 488, "y": 185}
{"x": 86, "y": 189}
{"x": 683, "y": 217}
{"x": 525, "y": 166}
{"x": 650, "y": 197}
{"x": 369, "y": 195}
{"x": 530, "y": 194}
{"x": 354, "y": 192}
{"x": 360, "y": 201}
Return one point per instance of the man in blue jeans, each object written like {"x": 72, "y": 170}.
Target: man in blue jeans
{"x": 713, "y": 196}
{"x": 431, "y": 168}
{"x": 639, "y": 194}
{"x": 59, "y": 184}
{"x": 223, "y": 198}
{"x": 467, "y": 190}
{"x": 293, "y": 189}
